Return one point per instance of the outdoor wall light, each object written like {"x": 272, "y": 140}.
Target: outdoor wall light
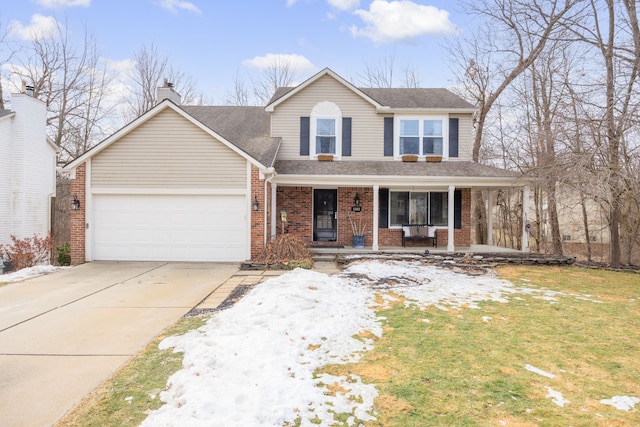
{"x": 75, "y": 203}
{"x": 356, "y": 200}
{"x": 256, "y": 204}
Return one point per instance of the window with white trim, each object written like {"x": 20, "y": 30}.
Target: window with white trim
{"x": 422, "y": 136}
{"x": 325, "y": 129}
{"x": 325, "y": 136}
{"x": 416, "y": 207}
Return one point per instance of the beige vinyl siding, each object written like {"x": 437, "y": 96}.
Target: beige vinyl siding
{"x": 465, "y": 137}
{"x": 168, "y": 151}
{"x": 367, "y": 126}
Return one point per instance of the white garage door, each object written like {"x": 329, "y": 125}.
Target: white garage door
{"x": 169, "y": 228}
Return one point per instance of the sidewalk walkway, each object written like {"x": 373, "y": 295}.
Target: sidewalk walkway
{"x": 244, "y": 280}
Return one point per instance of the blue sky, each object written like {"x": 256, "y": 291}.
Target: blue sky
{"x": 213, "y": 40}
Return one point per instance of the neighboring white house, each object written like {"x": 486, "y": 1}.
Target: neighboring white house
{"x": 27, "y": 169}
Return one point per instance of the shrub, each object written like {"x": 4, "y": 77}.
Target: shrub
{"x": 64, "y": 254}
{"x": 287, "y": 250}
{"x": 27, "y": 252}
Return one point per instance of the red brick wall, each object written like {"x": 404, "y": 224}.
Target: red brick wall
{"x": 389, "y": 237}
{"x": 298, "y": 202}
{"x": 346, "y": 196}
{"x": 78, "y": 217}
{"x": 257, "y": 217}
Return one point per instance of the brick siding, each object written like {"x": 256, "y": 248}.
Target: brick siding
{"x": 78, "y": 217}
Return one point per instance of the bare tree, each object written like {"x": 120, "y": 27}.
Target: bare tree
{"x": 378, "y": 73}
{"x": 73, "y": 83}
{"x": 613, "y": 33}
{"x": 150, "y": 70}
{"x": 240, "y": 93}
{"x": 382, "y": 73}
{"x": 411, "y": 76}
{"x": 6, "y": 53}
{"x": 280, "y": 73}
{"x": 514, "y": 34}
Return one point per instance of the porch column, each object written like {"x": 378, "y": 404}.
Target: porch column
{"x": 376, "y": 220}
{"x": 525, "y": 218}
{"x": 450, "y": 219}
{"x": 274, "y": 187}
{"x": 490, "y": 218}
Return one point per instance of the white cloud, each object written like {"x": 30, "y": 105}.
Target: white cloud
{"x": 344, "y": 4}
{"x": 388, "y": 21}
{"x": 40, "y": 26}
{"x": 296, "y": 63}
{"x": 53, "y": 4}
{"x": 291, "y": 2}
{"x": 173, "y": 6}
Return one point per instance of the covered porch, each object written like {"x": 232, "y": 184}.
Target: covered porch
{"x": 322, "y": 208}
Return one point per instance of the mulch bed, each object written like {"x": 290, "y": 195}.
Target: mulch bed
{"x": 235, "y": 296}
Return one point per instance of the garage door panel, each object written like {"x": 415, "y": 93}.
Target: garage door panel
{"x": 169, "y": 228}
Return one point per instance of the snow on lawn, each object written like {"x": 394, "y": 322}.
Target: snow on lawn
{"x": 624, "y": 403}
{"x": 27, "y": 273}
{"x": 254, "y": 364}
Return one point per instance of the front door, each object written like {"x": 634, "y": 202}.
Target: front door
{"x": 325, "y": 215}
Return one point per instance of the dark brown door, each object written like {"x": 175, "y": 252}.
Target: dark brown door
{"x": 324, "y": 215}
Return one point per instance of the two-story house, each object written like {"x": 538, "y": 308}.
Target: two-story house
{"x": 27, "y": 169}
{"x": 216, "y": 183}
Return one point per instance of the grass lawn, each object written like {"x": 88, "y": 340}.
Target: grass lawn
{"x": 466, "y": 367}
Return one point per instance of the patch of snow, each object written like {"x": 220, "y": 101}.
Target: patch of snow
{"x": 624, "y": 403}
{"x": 556, "y": 397}
{"x": 538, "y": 371}
{"x": 429, "y": 285}
{"x": 29, "y": 272}
{"x": 486, "y": 318}
{"x": 254, "y": 363}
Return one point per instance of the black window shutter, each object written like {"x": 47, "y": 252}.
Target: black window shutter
{"x": 457, "y": 209}
{"x": 383, "y": 199}
{"x": 304, "y": 136}
{"x": 388, "y": 136}
{"x": 453, "y": 137}
{"x": 346, "y": 136}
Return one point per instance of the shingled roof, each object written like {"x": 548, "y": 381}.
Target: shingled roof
{"x": 417, "y": 98}
{"x": 245, "y": 127}
{"x": 392, "y": 168}
{"x": 420, "y": 98}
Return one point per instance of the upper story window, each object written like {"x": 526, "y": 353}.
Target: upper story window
{"x": 326, "y": 129}
{"x": 326, "y": 136}
{"x": 421, "y": 135}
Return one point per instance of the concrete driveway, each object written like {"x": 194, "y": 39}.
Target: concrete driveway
{"x": 63, "y": 334}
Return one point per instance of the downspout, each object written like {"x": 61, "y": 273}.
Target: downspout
{"x": 269, "y": 174}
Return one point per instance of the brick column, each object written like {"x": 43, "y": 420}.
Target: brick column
{"x": 78, "y": 217}
{"x": 257, "y": 217}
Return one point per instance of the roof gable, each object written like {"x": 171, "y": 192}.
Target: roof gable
{"x": 282, "y": 94}
{"x": 184, "y": 113}
{"x": 384, "y": 99}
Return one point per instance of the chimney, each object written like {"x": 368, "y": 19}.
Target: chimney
{"x": 26, "y": 89}
{"x": 166, "y": 91}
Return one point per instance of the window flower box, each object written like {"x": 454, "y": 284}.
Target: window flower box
{"x": 325, "y": 157}
{"x": 409, "y": 157}
{"x": 431, "y": 158}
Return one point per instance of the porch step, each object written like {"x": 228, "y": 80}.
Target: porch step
{"x": 324, "y": 257}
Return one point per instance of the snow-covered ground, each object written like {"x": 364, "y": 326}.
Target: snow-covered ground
{"x": 254, "y": 364}
{"x": 26, "y": 273}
